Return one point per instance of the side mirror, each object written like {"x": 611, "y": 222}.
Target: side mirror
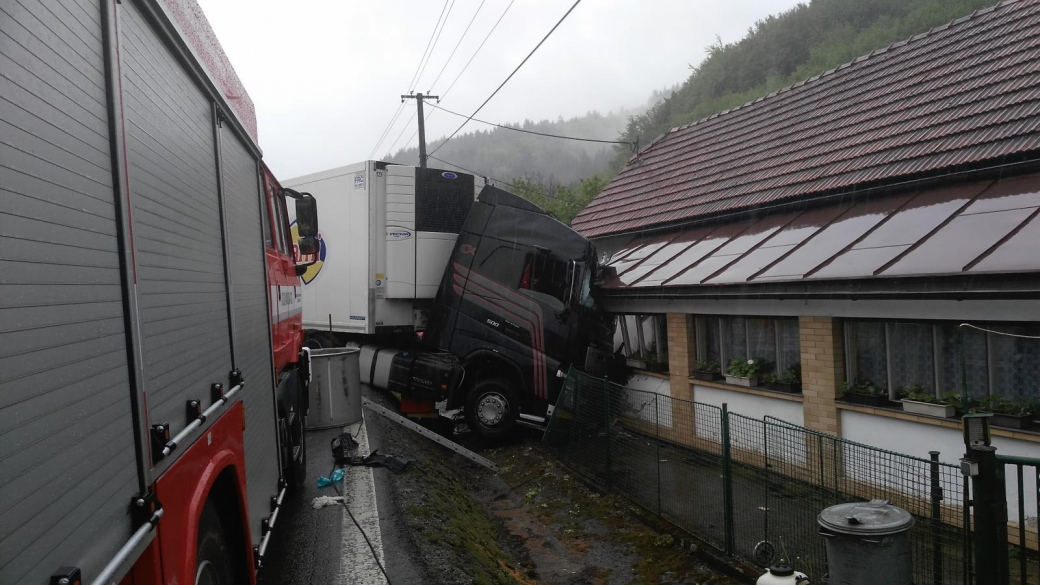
{"x": 307, "y": 216}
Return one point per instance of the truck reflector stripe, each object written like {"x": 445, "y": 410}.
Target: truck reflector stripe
{"x": 524, "y": 304}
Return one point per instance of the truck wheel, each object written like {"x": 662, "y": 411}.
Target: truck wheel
{"x": 212, "y": 555}
{"x": 491, "y": 408}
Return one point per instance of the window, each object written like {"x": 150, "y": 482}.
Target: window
{"x": 943, "y": 358}
{"x": 644, "y": 337}
{"x": 721, "y": 339}
{"x": 546, "y": 279}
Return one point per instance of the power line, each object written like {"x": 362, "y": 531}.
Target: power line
{"x": 536, "y": 47}
{"x": 387, "y": 130}
{"x": 427, "y": 50}
{"x": 532, "y": 131}
{"x": 474, "y": 55}
{"x": 1004, "y": 333}
{"x": 464, "y": 67}
{"x": 405, "y": 129}
{"x": 441, "y": 72}
{"x": 434, "y": 47}
{"x": 473, "y": 172}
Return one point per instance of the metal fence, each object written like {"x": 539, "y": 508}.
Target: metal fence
{"x": 753, "y": 487}
{"x": 1024, "y": 567}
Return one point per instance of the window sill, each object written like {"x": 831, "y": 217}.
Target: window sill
{"x": 764, "y": 392}
{"x": 661, "y": 375}
{"x": 949, "y": 423}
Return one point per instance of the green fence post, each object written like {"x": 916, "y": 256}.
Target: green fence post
{"x": 936, "y": 496}
{"x": 606, "y": 412}
{"x": 727, "y": 481}
{"x": 657, "y": 434}
{"x": 990, "y": 503}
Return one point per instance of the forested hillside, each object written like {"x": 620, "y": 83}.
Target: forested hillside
{"x": 778, "y": 51}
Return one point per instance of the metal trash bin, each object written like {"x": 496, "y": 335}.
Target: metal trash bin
{"x": 335, "y": 392}
{"x": 867, "y": 543}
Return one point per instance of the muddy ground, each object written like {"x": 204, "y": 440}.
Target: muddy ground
{"x": 531, "y": 523}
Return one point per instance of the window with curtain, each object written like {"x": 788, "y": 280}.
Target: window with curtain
{"x": 867, "y": 353}
{"x": 944, "y": 358}
{"x": 775, "y": 340}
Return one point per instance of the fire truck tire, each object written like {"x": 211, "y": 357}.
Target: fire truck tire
{"x": 492, "y": 408}
{"x": 212, "y": 554}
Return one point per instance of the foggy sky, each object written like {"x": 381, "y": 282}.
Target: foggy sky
{"x": 326, "y": 76}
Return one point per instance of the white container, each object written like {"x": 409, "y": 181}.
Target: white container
{"x": 738, "y": 381}
{"x": 928, "y": 409}
{"x": 381, "y": 257}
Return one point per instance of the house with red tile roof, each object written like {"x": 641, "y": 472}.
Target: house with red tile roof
{"x": 869, "y": 232}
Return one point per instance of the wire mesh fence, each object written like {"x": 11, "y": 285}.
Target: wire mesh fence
{"x": 753, "y": 487}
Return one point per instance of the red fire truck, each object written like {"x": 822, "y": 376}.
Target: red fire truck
{"x": 152, "y": 380}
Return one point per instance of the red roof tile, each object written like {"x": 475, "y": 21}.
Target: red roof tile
{"x": 966, "y": 93}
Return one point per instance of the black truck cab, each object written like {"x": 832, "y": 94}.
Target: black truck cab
{"x": 516, "y": 307}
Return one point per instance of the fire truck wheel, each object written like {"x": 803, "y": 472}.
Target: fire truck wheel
{"x": 491, "y": 408}
{"x": 212, "y": 556}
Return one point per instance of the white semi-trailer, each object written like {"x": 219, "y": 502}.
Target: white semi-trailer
{"x": 387, "y": 234}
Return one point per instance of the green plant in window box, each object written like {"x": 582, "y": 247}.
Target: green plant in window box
{"x": 746, "y": 371}
{"x": 864, "y": 392}
{"x": 919, "y": 401}
{"x": 707, "y": 371}
{"x": 1008, "y": 413}
{"x": 649, "y": 361}
{"x": 790, "y": 380}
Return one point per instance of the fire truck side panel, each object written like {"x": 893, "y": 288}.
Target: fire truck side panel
{"x": 252, "y": 323}
{"x": 177, "y": 232}
{"x": 67, "y": 462}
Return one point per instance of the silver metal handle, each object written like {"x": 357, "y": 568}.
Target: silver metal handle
{"x": 176, "y": 440}
{"x": 105, "y": 576}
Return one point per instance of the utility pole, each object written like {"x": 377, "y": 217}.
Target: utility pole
{"x": 419, "y": 97}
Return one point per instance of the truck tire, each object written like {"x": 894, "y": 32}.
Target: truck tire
{"x": 212, "y": 554}
{"x": 491, "y": 408}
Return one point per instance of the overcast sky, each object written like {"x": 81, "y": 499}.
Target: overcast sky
{"x": 326, "y": 76}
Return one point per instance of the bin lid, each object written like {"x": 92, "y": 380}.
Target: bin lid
{"x": 873, "y": 518}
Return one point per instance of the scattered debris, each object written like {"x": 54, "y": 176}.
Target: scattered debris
{"x": 335, "y": 477}
{"x": 322, "y": 501}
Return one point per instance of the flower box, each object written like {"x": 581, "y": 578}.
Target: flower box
{"x": 790, "y": 388}
{"x": 928, "y": 408}
{"x": 865, "y": 399}
{"x": 657, "y": 367}
{"x": 705, "y": 376}
{"x": 1011, "y": 421}
{"x": 637, "y": 364}
{"x": 738, "y": 381}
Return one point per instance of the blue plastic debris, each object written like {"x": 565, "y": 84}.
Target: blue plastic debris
{"x": 337, "y": 476}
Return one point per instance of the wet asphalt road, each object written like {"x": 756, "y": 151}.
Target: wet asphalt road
{"x": 322, "y": 546}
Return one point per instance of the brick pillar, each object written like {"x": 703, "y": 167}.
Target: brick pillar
{"x": 823, "y": 371}
{"x": 682, "y": 353}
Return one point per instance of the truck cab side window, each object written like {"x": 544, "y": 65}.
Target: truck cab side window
{"x": 276, "y": 237}
{"x": 546, "y": 279}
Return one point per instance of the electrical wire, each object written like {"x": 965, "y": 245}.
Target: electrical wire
{"x": 387, "y": 129}
{"x": 532, "y": 131}
{"x": 499, "y": 88}
{"x": 464, "y": 33}
{"x": 460, "y": 167}
{"x": 1004, "y": 333}
{"x": 415, "y": 76}
{"x": 403, "y": 130}
{"x": 474, "y": 55}
{"x": 435, "y": 41}
{"x": 375, "y": 556}
{"x": 464, "y": 67}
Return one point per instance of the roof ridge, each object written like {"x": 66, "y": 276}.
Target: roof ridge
{"x": 860, "y": 59}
